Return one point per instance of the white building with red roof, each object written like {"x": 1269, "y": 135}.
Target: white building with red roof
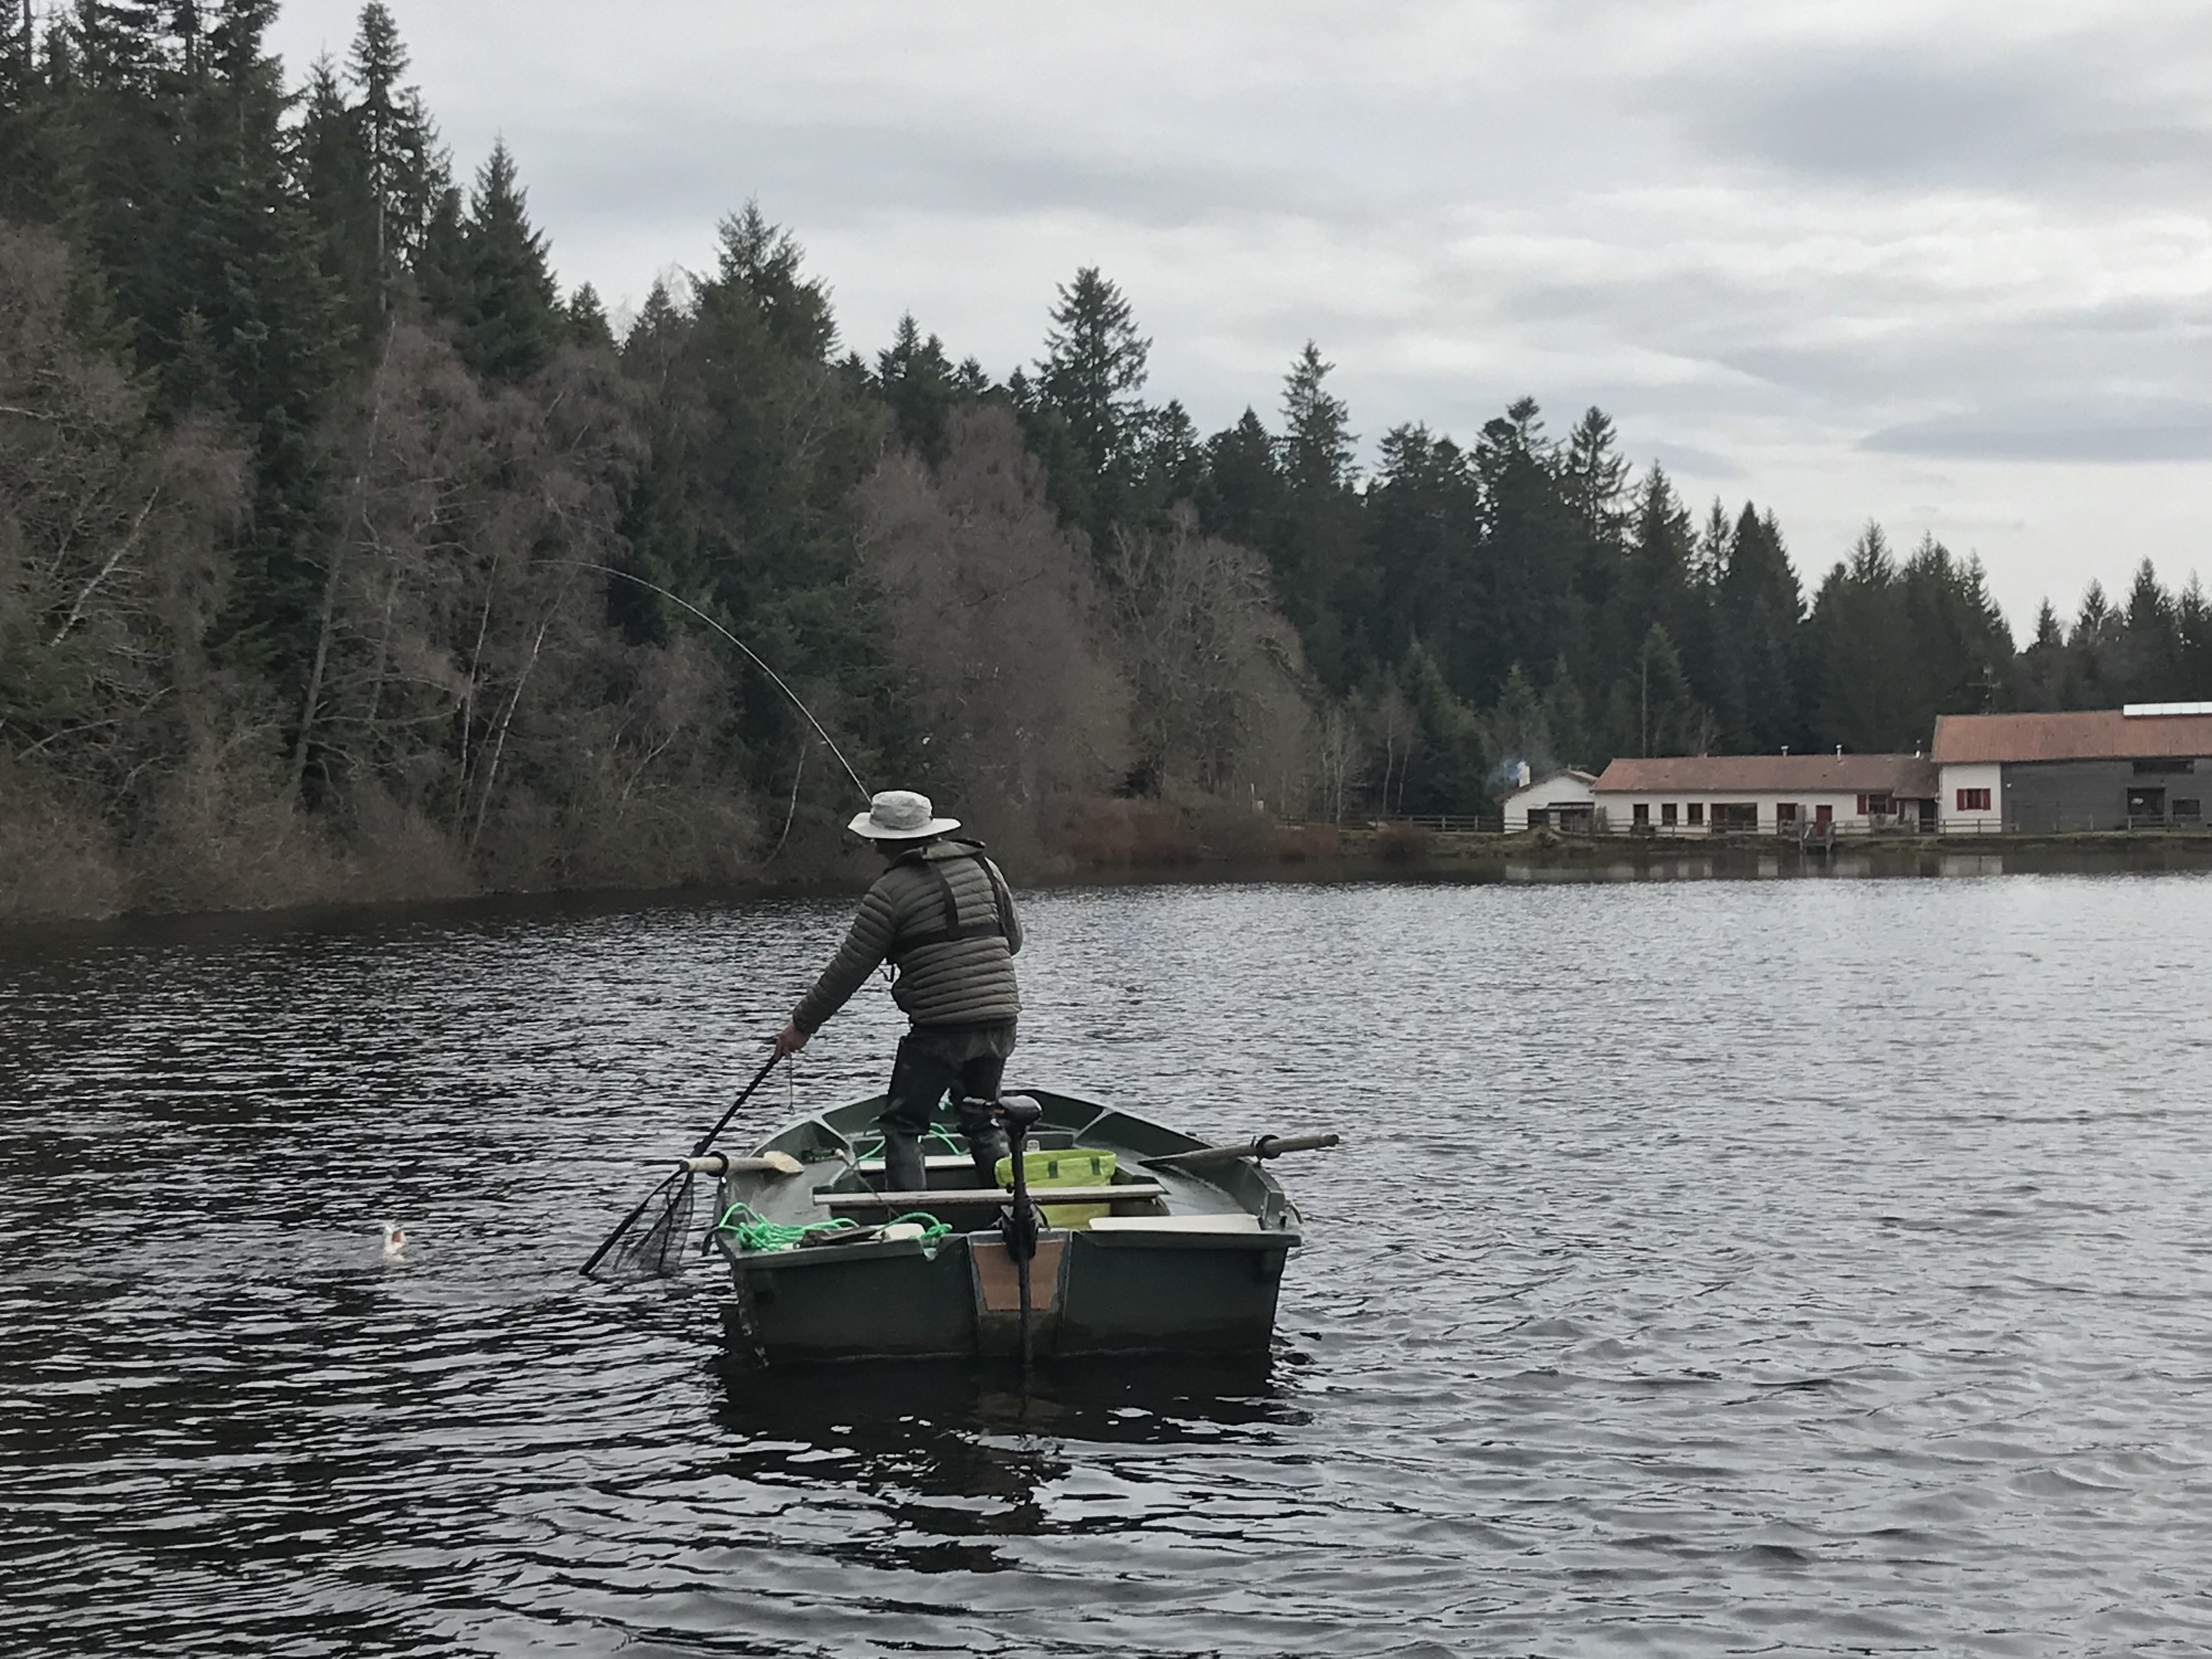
{"x": 1767, "y": 795}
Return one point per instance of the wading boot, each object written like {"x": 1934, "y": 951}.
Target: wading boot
{"x": 904, "y": 1169}
{"x": 987, "y": 1142}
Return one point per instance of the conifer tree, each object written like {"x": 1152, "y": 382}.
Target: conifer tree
{"x": 2192, "y": 615}
{"x": 1084, "y": 418}
{"x": 1243, "y": 491}
{"x": 2151, "y": 663}
{"x": 1315, "y": 548}
{"x": 2039, "y": 672}
{"x": 30, "y": 128}
{"x": 393, "y": 146}
{"x": 915, "y": 379}
{"x": 1171, "y": 466}
{"x": 252, "y": 261}
{"x": 1423, "y": 522}
{"x": 588, "y": 324}
{"x": 509, "y": 305}
{"x": 334, "y": 176}
{"x": 1761, "y": 608}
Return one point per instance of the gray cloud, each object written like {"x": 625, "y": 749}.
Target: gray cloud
{"x": 2124, "y": 432}
{"x": 2067, "y": 114}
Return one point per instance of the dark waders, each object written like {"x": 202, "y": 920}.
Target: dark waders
{"x": 933, "y": 1062}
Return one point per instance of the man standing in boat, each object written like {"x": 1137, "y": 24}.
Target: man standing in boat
{"x": 942, "y": 915}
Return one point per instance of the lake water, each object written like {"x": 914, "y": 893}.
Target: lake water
{"x": 1729, "y": 1267}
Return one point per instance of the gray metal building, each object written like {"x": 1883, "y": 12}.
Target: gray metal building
{"x": 2146, "y": 766}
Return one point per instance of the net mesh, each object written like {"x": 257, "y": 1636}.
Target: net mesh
{"x": 651, "y": 1243}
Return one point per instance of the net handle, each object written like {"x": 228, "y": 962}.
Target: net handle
{"x": 723, "y": 1123}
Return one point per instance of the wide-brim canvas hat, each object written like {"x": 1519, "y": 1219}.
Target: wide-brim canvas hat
{"x": 899, "y": 815}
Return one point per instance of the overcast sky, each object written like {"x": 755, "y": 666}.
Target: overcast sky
{"x": 1946, "y": 266}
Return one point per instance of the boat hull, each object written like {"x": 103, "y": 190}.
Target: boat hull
{"x": 1200, "y": 1277}
{"x": 1089, "y": 1295}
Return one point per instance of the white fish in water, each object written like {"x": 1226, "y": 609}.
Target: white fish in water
{"x": 395, "y": 1241}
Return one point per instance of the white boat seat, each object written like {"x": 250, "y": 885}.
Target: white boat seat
{"x": 934, "y": 1161}
{"x": 1176, "y": 1224}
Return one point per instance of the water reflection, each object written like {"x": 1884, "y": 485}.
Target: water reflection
{"x": 961, "y": 1462}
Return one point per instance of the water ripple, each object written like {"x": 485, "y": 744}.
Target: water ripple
{"x": 1715, "y": 1267}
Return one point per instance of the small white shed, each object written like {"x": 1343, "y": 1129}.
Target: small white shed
{"x": 1564, "y": 799}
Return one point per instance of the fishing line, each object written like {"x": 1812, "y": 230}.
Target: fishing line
{"x": 751, "y": 655}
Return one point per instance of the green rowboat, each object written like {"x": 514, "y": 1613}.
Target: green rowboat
{"x": 1181, "y": 1257}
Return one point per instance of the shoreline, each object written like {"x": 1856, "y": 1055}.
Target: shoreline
{"x": 1310, "y": 854}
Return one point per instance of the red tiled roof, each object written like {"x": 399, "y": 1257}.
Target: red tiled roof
{"x": 2094, "y": 734}
{"x": 1905, "y": 776}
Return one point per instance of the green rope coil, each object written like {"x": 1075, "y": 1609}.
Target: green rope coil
{"x": 748, "y": 1230}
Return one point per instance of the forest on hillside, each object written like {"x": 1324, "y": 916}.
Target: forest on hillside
{"x": 343, "y": 552}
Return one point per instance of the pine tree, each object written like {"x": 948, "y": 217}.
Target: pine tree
{"x": 1170, "y": 472}
{"x": 441, "y": 269}
{"x": 2038, "y": 680}
{"x": 1315, "y": 548}
{"x": 375, "y": 65}
{"x": 1085, "y": 420}
{"x": 2150, "y": 663}
{"x": 1654, "y": 709}
{"x": 916, "y": 378}
{"x": 1525, "y": 584}
{"x": 31, "y": 129}
{"x": 509, "y": 305}
{"x": 1243, "y": 492}
{"x": 334, "y": 176}
{"x": 1858, "y": 645}
{"x": 251, "y": 262}
{"x": 2192, "y": 615}
{"x": 588, "y": 324}
{"x": 2092, "y": 648}
{"x": 1762, "y": 610}
{"x": 1317, "y": 440}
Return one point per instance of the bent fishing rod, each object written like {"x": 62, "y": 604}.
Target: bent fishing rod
{"x": 751, "y": 656}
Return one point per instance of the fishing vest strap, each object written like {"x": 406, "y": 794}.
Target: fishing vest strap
{"x": 997, "y": 925}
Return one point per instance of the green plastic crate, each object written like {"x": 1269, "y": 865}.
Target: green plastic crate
{"x": 1063, "y": 1166}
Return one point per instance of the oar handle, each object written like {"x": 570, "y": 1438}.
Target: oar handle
{"x": 724, "y": 1163}
{"x": 1260, "y": 1147}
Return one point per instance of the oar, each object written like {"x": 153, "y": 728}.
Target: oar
{"x": 1260, "y": 1147}
{"x": 721, "y": 1164}
{"x": 675, "y": 1192}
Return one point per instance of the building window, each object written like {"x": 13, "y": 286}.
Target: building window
{"x": 1642, "y": 815}
{"x": 1879, "y": 805}
{"x": 2190, "y": 808}
{"x": 1785, "y": 812}
{"x": 1667, "y": 811}
{"x": 1735, "y": 815}
{"x": 2155, "y": 768}
{"x": 1540, "y": 817}
{"x": 1973, "y": 801}
{"x": 1697, "y": 812}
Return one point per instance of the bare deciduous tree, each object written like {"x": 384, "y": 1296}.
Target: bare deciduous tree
{"x": 994, "y": 619}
